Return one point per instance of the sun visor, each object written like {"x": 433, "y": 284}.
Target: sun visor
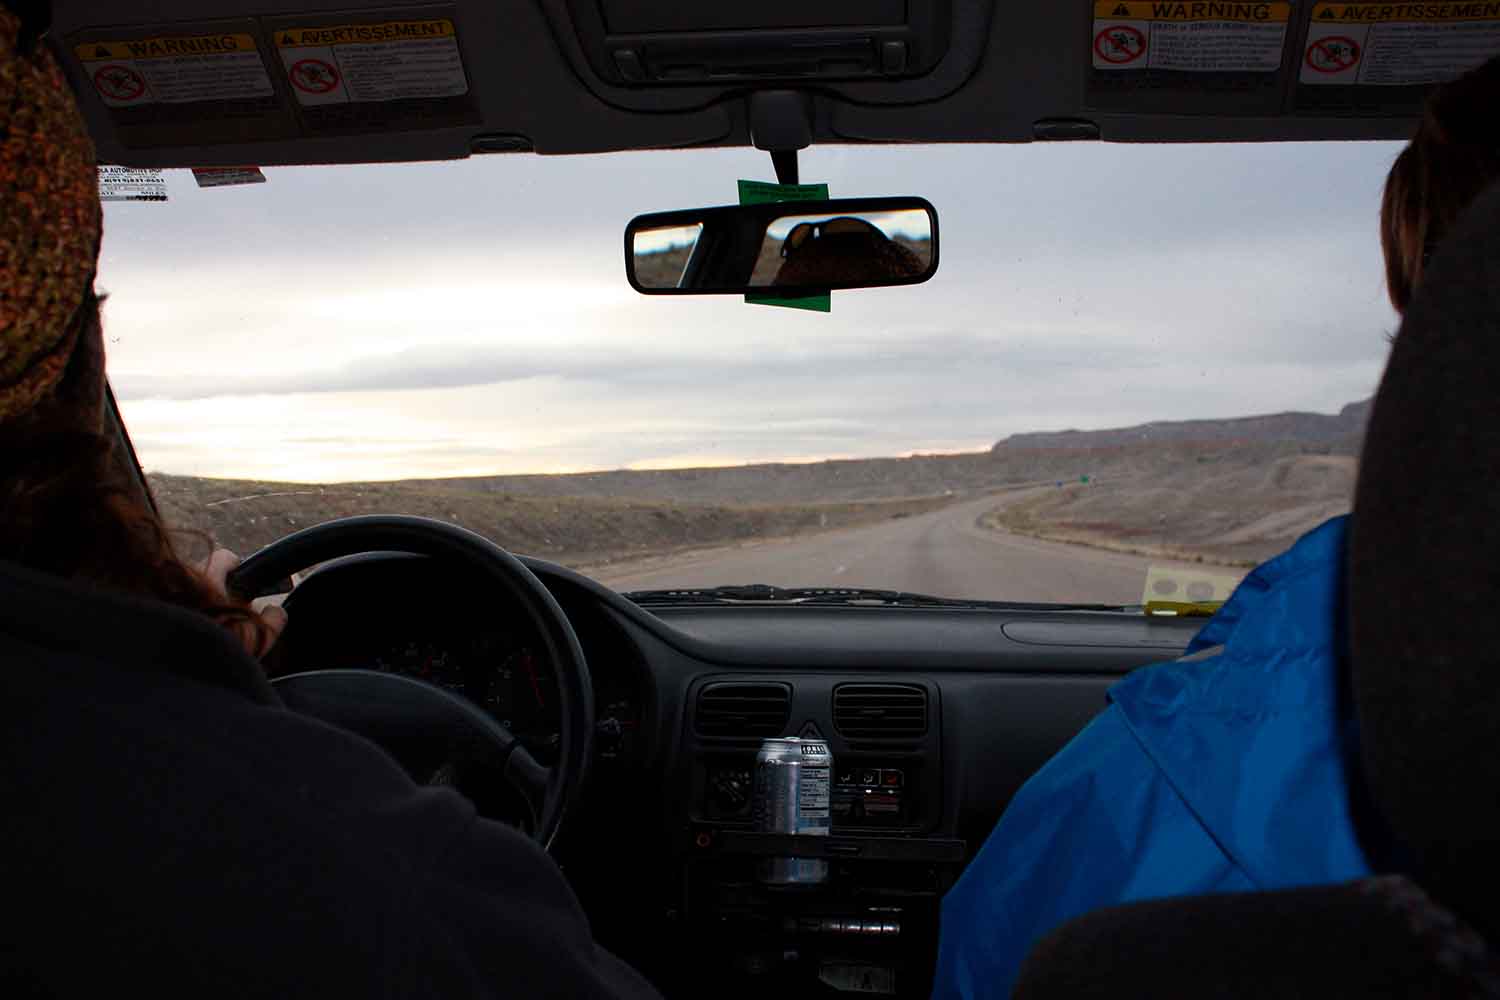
{"x": 654, "y": 43}
{"x": 161, "y": 86}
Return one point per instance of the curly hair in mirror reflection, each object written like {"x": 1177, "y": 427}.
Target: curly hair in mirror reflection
{"x": 843, "y": 251}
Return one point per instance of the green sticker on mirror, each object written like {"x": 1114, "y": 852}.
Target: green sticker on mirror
{"x": 760, "y": 193}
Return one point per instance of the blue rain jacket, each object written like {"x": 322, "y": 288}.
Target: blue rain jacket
{"x": 1224, "y": 771}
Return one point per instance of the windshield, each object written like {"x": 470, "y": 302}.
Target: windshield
{"x": 458, "y": 340}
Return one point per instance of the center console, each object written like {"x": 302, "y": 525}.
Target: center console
{"x": 871, "y": 926}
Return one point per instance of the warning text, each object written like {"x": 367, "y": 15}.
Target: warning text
{"x": 1373, "y": 13}
{"x": 1192, "y": 10}
{"x": 365, "y": 34}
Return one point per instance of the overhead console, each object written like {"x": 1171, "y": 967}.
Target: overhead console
{"x": 655, "y": 42}
{"x": 658, "y": 54}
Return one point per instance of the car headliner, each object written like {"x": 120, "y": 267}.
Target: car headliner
{"x": 1006, "y": 69}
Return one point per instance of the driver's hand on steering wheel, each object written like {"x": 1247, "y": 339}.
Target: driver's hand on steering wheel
{"x": 216, "y": 570}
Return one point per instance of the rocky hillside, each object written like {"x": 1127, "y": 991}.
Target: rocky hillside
{"x": 1341, "y": 433}
{"x": 1217, "y": 506}
{"x": 1228, "y": 489}
{"x": 1021, "y": 458}
{"x": 576, "y": 531}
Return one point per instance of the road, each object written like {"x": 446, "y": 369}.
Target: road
{"x": 944, "y": 552}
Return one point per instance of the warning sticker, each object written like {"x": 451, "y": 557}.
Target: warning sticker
{"x": 208, "y": 177}
{"x": 132, "y": 184}
{"x": 1200, "y": 36}
{"x": 1398, "y": 44}
{"x": 388, "y": 61}
{"x": 175, "y": 69}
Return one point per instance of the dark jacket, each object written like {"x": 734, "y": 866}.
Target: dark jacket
{"x": 170, "y": 829}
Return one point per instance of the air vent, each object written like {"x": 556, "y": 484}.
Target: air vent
{"x": 880, "y": 711}
{"x": 743, "y": 710}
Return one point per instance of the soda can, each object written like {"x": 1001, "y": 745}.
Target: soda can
{"x": 793, "y": 778}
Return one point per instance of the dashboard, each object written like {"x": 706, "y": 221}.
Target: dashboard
{"x": 508, "y": 679}
{"x": 447, "y": 632}
{"x": 934, "y": 716}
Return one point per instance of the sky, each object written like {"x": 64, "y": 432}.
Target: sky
{"x": 473, "y": 317}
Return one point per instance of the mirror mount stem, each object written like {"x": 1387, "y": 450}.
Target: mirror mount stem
{"x": 781, "y": 124}
{"x": 785, "y": 162}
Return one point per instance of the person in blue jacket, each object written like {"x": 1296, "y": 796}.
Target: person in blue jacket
{"x": 1223, "y": 771}
{"x": 1233, "y": 768}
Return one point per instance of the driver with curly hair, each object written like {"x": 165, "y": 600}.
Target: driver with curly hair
{"x": 168, "y": 823}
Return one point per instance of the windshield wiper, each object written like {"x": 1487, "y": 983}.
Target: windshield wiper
{"x": 761, "y": 593}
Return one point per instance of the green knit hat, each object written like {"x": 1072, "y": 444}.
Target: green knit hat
{"x": 50, "y": 219}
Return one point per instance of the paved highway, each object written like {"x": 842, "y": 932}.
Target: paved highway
{"x": 944, "y": 552}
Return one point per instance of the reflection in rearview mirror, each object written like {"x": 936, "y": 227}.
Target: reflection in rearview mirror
{"x": 798, "y": 247}
{"x": 661, "y": 255}
{"x": 818, "y": 251}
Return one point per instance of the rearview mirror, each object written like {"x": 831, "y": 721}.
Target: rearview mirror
{"x": 783, "y": 248}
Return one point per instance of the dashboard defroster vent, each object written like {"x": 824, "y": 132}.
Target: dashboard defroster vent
{"x": 732, "y": 711}
{"x": 880, "y": 711}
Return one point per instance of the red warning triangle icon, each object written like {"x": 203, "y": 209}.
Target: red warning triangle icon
{"x": 1121, "y": 10}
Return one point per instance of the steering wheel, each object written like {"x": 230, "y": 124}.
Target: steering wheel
{"x": 379, "y": 705}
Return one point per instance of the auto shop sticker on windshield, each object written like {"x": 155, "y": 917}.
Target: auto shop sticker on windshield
{"x": 175, "y": 69}
{"x": 387, "y": 61}
{"x": 1397, "y": 44}
{"x": 208, "y": 177}
{"x": 132, "y": 184}
{"x": 1183, "y": 589}
{"x": 1205, "y": 36}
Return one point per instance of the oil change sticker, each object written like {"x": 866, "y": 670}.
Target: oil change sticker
{"x": 385, "y": 61}
{"x": 132, "y": 184}
{"x": 1398, "y": 44}
{"x": 1199, "y": 36}
{"x": 175, "y": 69}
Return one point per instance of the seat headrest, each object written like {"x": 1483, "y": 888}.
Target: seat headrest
{"x": 1378, "y": 937}
{"x": 1424, "y": 578}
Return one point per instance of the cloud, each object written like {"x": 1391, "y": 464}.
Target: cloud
{"x": 444, "y": 318}
{"x": 436, "y": 366}
{"x": 1137, "y": 339}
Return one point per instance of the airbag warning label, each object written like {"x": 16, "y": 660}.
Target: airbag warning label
{"x": 1398, "y": 44}
{"x": 1191, "y": 37}
{"x": 175, "y": 69}
{"x": 356, "y": 63}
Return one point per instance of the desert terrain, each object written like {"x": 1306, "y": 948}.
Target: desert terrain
{"x": 1226, "y": 492}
